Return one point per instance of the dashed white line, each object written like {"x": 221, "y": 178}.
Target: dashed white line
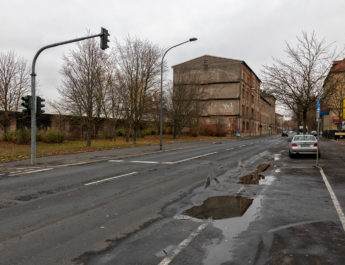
{"x": 230, "y": 149}
{"x": 108, "y": 179}
{"x": 29, "y": 172}
{"x": 191, "y": 158}
{"x": 164, "y": 163}
{"x": 334, "y": 199}
{"x": 74, "y": 164}
{"x": 145, "y": 162}
{"x": 182, "y": 245}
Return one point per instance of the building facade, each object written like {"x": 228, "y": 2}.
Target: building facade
{"x": 333, "y": 108}
{"x": 231, "y": 94}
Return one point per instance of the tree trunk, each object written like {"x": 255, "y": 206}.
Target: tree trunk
{"x": 88, "y": 136}
{"x": 304, "y": 121}
{"x": 127, "y": 133}
{"x": 114, "y": 136}
{"x": 135, "y": 133}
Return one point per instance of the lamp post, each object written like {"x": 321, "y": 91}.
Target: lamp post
{"x": 161, "y": 96}
{"x": 260, "y": 125}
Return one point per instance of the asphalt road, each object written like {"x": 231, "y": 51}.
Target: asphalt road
{"x": 188, "y": 205}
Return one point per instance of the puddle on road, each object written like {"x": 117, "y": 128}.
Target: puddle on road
{"x": 231, "y": 229}
{"x": 220, "y": 207}
{"x": 255, "y": 177}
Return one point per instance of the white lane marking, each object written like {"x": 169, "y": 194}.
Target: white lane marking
{"x": 182, "y": 245}
{"x": 117, "y": 161}
{"x": 29, "y": 172}
{"x": 145, "y": 162}
{"x": 67, "y": 165}
{"x": 230, "y": 149}
{"x": 334, "y": 199}
{"x": 191, "y": 158}
{"x": 243, "y": 145}
{"x": 108, "y": 179}
{"x": 2, "y": 174}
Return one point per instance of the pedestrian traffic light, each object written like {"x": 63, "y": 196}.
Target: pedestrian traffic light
{"x": 26, "y": 104}
{"x": 40, "y": 106}
{"x": 104, "y": 38}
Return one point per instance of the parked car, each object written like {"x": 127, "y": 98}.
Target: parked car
{"x": 304, "y": 144}
{"x": 313, "y": 133}
{"x": 284, "y": 133}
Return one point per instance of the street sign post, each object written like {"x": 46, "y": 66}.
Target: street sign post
{"x": 318, "y": 129}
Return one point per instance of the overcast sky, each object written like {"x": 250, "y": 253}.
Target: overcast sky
{"x": 249, "y": 30}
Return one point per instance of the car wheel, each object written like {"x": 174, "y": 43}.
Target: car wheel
{"x": 291, "y": 155}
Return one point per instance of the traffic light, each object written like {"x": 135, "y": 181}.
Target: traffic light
{"x": 40, "y": 106}
{"x": 104, "y": 38}
{"x": 26, "y": 104}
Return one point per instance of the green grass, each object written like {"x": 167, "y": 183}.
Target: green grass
{"x": 11, "y": 151}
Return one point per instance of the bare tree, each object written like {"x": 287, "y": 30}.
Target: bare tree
{"x": 185, "y": 103}
{"x": 297, "y": 81}
{"x": 138, "y": 70}
{"x": 83, "y": 72}
{"x": 113, "y": 100}
{"x": 14, "y": 83}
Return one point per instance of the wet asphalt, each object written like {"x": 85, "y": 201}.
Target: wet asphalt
{"x": 224, "y": 206}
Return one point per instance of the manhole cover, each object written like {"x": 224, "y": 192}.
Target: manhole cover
{"x": 220, "y": 207}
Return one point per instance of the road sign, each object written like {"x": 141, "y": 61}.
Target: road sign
{"x": 318, "y": 106}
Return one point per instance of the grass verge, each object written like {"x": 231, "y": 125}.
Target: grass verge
{"x": 11, "y": 151}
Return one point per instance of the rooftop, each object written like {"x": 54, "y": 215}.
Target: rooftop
{"x": 338, "y": 66}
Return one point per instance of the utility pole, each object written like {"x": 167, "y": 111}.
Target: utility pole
{"x": 104, "y": 40}
{"x": 318, "y": 130}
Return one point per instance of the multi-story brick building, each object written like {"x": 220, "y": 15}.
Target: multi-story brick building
{"x": 232, "y": 95}
{"x": 333, "y": 108}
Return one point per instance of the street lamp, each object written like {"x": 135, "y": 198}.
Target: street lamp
{"x": 260, "y": 125}
{"x": 161, "y": 97}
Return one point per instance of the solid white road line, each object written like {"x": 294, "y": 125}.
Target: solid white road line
{"x": 191, "y": 158}
{"x": 182, "y": 245}
{"x": 29, "y": 172}
{"x": 108, "y": 179}
{"x": 334, "y": 199}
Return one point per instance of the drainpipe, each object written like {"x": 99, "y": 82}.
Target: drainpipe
{"x": 240, "y": 96}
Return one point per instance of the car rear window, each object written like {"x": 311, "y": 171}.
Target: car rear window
{"x": 304, "y": 138}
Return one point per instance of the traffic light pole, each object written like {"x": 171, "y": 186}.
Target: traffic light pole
{"x": 33, "y": 89}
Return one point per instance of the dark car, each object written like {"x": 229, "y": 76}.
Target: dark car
{"x": 284, "y": 133}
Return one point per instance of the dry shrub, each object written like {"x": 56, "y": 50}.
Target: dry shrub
{"x": 221, "y": 129}
{"x": 207, "y": 129}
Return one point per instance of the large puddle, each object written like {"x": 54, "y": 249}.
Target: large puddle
{"x": 220, "y": 207}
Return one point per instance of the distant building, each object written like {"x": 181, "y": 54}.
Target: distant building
{"x": 231, "y": 94}
{"x": 333, "y": 108}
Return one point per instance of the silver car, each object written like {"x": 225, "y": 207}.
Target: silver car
{"x": 303, "y": 144}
